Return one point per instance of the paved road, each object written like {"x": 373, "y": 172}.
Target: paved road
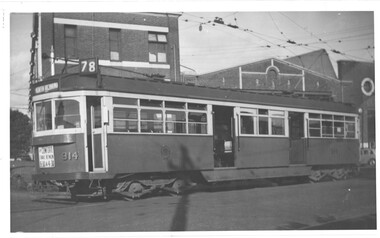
{"x": 301, "y": 206}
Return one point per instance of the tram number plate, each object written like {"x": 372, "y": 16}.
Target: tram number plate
{"x": 46, "y": 156}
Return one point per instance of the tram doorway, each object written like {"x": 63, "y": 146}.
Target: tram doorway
{"x": 95, "y": 135}
{"x": 297, "y": 141}
{"x": 223, "y": 124}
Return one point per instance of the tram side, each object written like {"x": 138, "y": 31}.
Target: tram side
{"x": 109, "y": 139}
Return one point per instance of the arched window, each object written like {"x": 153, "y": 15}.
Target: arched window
{"x": 272, "y": 75}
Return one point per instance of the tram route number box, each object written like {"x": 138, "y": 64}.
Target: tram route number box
{"x": 88, "y": 66}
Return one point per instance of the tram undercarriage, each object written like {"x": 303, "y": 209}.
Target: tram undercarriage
{"x": 139, "y": 186}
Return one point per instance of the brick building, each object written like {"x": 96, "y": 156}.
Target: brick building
{"x": 358, "y": 89}
{"x": 312, "y": 74}
{"x": 126, "y": 44}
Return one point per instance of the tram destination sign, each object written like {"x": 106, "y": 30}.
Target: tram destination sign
{"x": 46, "y": 157}
{"x": 46, "y": 88}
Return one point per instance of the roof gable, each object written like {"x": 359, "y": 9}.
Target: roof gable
{"x": 317, "y": 61}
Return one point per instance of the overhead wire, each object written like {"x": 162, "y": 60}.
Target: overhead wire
{"x": 320, "y": 39}
{"x": 291, "y": 42}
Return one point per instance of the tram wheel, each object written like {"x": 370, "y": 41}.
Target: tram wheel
{"x": 179, "y": 185}
{"x": 135, "y": 188}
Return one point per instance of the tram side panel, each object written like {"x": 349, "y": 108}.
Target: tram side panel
{"x": 332, "y": 151}
{"x": 158, "y": 153}
{"x": 59, "y": 155}
{"x": 262, "y": 152}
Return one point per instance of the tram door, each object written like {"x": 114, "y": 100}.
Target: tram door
{"x": 96, "y": 136}
{"x": 297, "y": 141}
{"x": 223, "y": 120}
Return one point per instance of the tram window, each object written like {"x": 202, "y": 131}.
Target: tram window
{"x": 327, "y": 129}
{"x": 197, "y": 123}
{"x": 44, "y": 116}
{"x": 125, "y": 101}
{"x": 327, "y": 117}
{"x": 350, "y": 118}
{"x": 195, "y": 106}
{"x": 263, "y": 111}
{"x": 263, "y": 125}
{"x": 125, "y": 120}
{"x": 278, "y": 126}
{"x": 313, "y": 115}
{"x": 67, "y": 114}
{"x": 150, "y": 103}
{"x": 249, "y": 111}
{"x": 338, "y": 118}
{"x": 247, "y": 125}
{"x": 175, "y": 122}
{"x": 350, "y": 130}
{"x": 97, "y": 116}
{"x": 315, "y": 128}
{"x": 277, "y": 113}
{"x": 151, "y": 121}
{"x": 125, "y": 126}
{"x": 339, "y": 129}
{"x": 180, "y": 105}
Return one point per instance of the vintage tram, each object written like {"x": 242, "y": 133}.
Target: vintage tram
{"x": 97, "y": 134}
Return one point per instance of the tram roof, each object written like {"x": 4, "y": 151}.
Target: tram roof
{"x": 73, "y": 82}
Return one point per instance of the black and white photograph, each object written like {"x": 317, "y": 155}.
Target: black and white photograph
{"x": 189, "y": 118}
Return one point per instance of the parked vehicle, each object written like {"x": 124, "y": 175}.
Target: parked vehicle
{"x": 368, "y": 157}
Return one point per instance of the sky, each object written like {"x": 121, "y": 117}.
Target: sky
{"x": 206, "y": 46}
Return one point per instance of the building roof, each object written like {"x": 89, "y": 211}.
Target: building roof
{"x": 317, "y": 61}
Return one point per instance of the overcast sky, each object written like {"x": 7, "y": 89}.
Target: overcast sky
{"x": 207, "y": 46}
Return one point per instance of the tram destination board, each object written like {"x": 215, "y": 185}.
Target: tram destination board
{"x": 46, "y": 157}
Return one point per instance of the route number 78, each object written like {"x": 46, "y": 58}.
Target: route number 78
{"x": 88, "y": 66}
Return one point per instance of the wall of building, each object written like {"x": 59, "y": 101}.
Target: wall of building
{"x": 270, "y": 74}
{"x": 352, "y": 74}
{"x": 93, "y": 41}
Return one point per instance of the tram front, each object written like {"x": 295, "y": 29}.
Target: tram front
{"x": 59, "y": 133}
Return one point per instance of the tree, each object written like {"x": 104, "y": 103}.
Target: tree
{"x": 20, "y": 133}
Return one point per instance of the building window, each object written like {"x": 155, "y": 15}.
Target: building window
{"x": 157, "y": 47}
{"x": 114, "y": 41}
{"x": 70, "y": 41}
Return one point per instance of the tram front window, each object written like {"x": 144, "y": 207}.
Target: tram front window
{"x": 43, "y": 116}
{"x": 67, "y": 114}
